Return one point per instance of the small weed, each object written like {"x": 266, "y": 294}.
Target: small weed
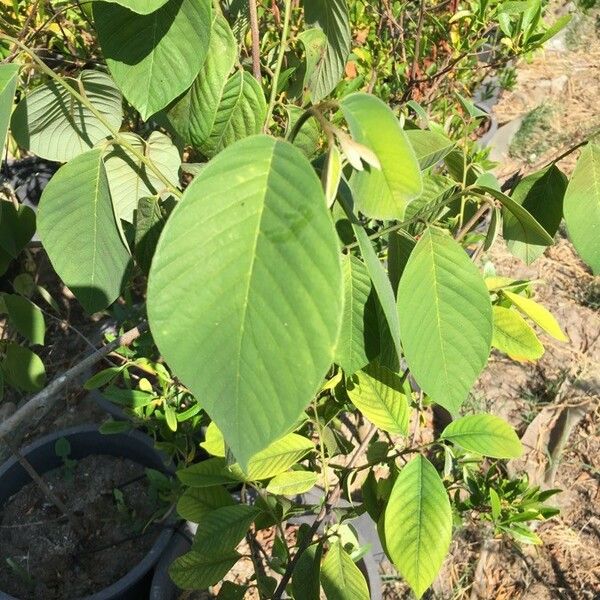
{"x": 535, "y": 136}
{"x": 62, "y": 449}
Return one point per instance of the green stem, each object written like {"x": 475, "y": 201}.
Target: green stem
{"x": 282, "y": 49}
{"x": 118, "y": 138}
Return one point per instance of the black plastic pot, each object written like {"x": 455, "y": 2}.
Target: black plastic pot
{"x": 164, "y": 589}
{"x": 86, "y": 440}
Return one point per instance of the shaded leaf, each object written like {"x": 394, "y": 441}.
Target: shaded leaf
{"x": 197, "y": 570}
{"x": 26, "y": 318}
{"x": 430, "y": 147}
{"x": 9, "y": 75}
{"x": 148, "y": 225}
{"x": 341, "y": 578}
{"x": 23, "y": 368}
{"x": 221, "y": 529}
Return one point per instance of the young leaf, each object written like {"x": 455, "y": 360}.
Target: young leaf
{"x": 358, "y": 343}
{"x": 129, "y": 179}
{"x": 153, "y": 58}
{"x": 341, "y": 578}
{"x": 378, "y": 393}
{"x": 8, "y": 84}
{"x": 384, "y": 193}
{"x": 331, "y": 16}
{"x": 541, "y": 194}
{"x": 197, "y": 570}
{"x": 513, "y": 336}
{"x": 50, "y": 123}
{"x": 582, "y": 206}
{"x": 537, "y": 313}
{"x": 418, "y": 524}
{"x": 430, "y": 147}
{"x": 102, "y": 378}
{"x": 79, "y": 232}
{"x": 240, "y": 114}
{"x": 278, "y": 457}
{"x": 195, "y": 503}
{"x": 271, "y": 281}
{"x": 292, "y": 483}
{"x": 221, "y": 529}
{"x": 23, "y": 368}
{"x": 193, "y": 115}
{"x": 484, "y": 434}
{"x": 445, "y": 319}
{"x": 26, "y": 318}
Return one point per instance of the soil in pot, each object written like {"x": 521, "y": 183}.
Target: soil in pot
{"x": 42, "y": 557}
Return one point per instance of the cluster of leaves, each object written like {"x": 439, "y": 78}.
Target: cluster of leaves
{"x": 291, "y": 281}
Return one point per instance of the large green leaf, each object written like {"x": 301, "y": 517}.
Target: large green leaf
{"x": 197, "y": 570}
{"x": 523, "y": 227}
{"x": 156, "y": 57}
{"x": 142, "y": 7}
{"x": 445, "y": 319}
{"x": 8, "y": 84}
{"x": 193, "y": 115}
{"x": 50, "y": 123}
{"x": 358, "y": 343}
{"x": 341, "y": 578}
{"x": 255, "y": 219}
{"x": 418, "y": 524}
{"x": 485, "y": 434}
{"x": 241, "y": 113}
{"x": 129, "y": 179}
{"x": 221, "y": 529}
{"x": 430, "y": 146}
{"x": 514, "y": 336}
{"x": 23, "y": 368}
{"x": 306, "y": 583}
{"x": 541, "y": 194}
{"x": 379, "y": 277}
{"x": 331, "y": 16}
{"x": 78, "y": 229}
{"x": 26, "y": 317}
{"x": 582, "y": 206}
{"x": 382, "y": 193}
{"x": 195, "y": 503}
{"x": 378, "y": 393}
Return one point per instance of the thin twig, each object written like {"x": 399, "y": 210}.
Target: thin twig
{"x": 45, "y": 399}
{"x": 255, "y": 39}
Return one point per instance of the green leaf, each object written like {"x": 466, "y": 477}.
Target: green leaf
{"x": 9, "y": 75}
{"x": 213, "y": 441}
{"x": 308, "y": 138}
{"x": 102, "y": 378}
{"x": 331, "y": 16}
{"x": 129, "y": 179}
{"x": 142, "y": 7}
{"x": 484, "y": 434}
{"x": 537, "y": 313}
{"x": 513, "y": 336}
{"x": 208, "y": 473}
{"x": 400, "y": 247}
{"x": 78, "y": 229}
{"x": 278, "y": 457}
{"x": 292, "y": 483}
{"x": 306, "y": 584}
{"x": 255, "y": 219}
{"x": 582, "y": 206}
{"x": 430, "y": 147}
{"x": 195, "y": 503}
{"x": 196, "y": 570}
{"x": 418, "y": 524}
{"x": 541, "y": 194}
{"x": 50, "y": 123}
{"x": 445, "y": 319}
{"x": 154, "y": 58}
{"x": 17, "y": 227}
{"x": 148, "y": 223}
{"x": 384, "y": 193}
{"x": 358, "y": 343}
{"x": 378, "y": 393}
{"x": 193, "y": 115}
{"x": 379, "y": 277}
{"x": 26, "y": 318}
{"x": 221, "y": 529}
{"x": 23, "y": 368}
{"x": 341, "y": 578}
{"x": 523, "y": 227}
{"x": 241, "y": 113}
